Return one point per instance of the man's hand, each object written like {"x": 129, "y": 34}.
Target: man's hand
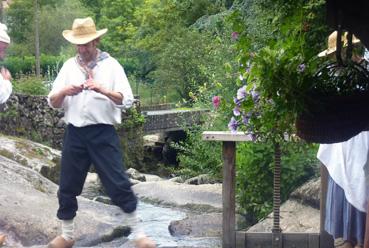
{"x": 92, "y": 85}
{"x": 71, "y": 90}
{"x": 5, "y": 73}
{"x": 57, "y": 99}
{"x": 116, "y": 97}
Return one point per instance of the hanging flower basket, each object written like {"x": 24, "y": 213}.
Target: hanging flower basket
{"x": 336, "y": 119}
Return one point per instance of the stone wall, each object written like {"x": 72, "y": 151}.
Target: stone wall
{"x": 172, "y": 120}
{"x": 31, "y": 117}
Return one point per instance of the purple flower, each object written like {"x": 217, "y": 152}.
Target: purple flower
{"x": 245, "y": 119}
{"x": 255, "y": 95}
{"x": 241, "y": 93}
{"x": 236, "y": 111}
{"x": 216, "y": 101}
{"x": 235, "y": 35}
{"x": 236, "y": 101}
{"x": 301, "y": 68}
{"x": 232, "y": 125}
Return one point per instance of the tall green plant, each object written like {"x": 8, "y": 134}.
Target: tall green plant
{"x": 255, "y": 163}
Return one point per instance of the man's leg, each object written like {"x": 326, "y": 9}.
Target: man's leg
{"x": 106, "y": 155}
{"x": 75, "y": 163}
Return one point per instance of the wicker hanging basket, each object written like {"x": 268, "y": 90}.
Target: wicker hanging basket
{"x": 337, "y": 119}
{"x": 338, "y": 108}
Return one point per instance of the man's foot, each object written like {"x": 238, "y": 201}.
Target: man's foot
{"x": 2, "y": 239}
{"x": 144, "y": 242}
{"x": 60, "y": 242}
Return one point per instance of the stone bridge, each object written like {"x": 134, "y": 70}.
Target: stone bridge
{"x": 158, "y": 121}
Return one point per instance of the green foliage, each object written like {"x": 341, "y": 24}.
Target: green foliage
{"x": 280, "y": 65}
{"x": 151, "y": 94}
{"x": 198, "y": 157}
{"x": 54, "y": 17}
{"x": 255, "y": 164}
{"x": 134, "y": 119}
{"x": 30, "y": 85}
{"x": 19, "y": 66}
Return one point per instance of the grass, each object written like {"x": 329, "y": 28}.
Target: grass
{"x": 150, "y": 95}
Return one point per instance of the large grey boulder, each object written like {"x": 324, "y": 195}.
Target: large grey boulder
{"x": 206, "y": 196}
{"x": 204, "y": 225}
{"x": 201, "y": 179}
{"x": 28, "y": 205}
{"x": 33, "y": 155}
{"x": 308, "y": 193}
{"x": 295, "y": 217}
{"x": 299, "y": 214}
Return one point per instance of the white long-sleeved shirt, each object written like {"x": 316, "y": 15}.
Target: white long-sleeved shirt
{"x": 5, "y": 89}
{"x": 90, "y": 107}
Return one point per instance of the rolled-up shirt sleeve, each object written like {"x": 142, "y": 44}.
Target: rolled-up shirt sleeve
{"x": 5, "y": 90}
{"x": 58, "y": 84}
{"x": 122, "y": 86}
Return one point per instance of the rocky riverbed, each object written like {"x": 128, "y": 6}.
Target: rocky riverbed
{"x": 175, "y": 214}
{"x": 28, "y": 205}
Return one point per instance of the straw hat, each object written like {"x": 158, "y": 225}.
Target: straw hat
{"x": 83, "y": 31}
{"x": 332, "y": 41}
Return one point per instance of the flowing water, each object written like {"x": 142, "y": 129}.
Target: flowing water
{"x": 155, "y": 222}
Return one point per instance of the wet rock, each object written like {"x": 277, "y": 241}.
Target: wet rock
{"x": 205, "y": 225}
{"x": 182, "y": 195}
{"x": 308, "y": 193}
{"x": 33, "y": 155}
{"x": 29, "y": 204}
{"x": 201, "y": 179}
{"x": 135, "y": 174}
{"x": 295, "y": 217}
{"x": 177, "y": 180}
{"x": 152, "y": 178}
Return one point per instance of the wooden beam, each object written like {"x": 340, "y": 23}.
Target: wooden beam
{"x": 228, "y": 194}
{"x": 289, "y": 240}
{"x": 226, "y": 136}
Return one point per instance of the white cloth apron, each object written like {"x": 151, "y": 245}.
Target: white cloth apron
{"x": 348, "y": 165}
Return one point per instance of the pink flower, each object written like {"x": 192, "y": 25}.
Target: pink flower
{"x": 216, "y": 101}
{"x": 235, "y": 35}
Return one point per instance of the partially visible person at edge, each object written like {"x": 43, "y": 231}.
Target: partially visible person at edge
{"x": 92, "y": 89}
{"x": 347, "y": 164}
{"x": 5, "y": 77}
{"x": 5, "y": 84}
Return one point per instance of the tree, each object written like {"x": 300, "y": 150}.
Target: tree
{"x": 54, "y": 17}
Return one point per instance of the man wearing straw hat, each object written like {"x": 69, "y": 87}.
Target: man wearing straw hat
{"x": 5, "y": 85}
{"x": 92, "y": 88}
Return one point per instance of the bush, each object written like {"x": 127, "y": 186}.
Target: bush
{"x": 255, "y": 164}
{"x": 30, "y": 85}
{"x": 26, "y": 65}
{"x": 197, "y": 156}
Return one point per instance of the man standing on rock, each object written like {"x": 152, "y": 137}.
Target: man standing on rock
{"x": 92, "y": 88}
{"x": 5, "y": 85}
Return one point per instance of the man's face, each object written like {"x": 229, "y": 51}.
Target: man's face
{"x": 87, "y": 51}
{"x": 3, "y": 47}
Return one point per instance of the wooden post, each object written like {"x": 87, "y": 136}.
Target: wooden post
{"x": 326, "y": 240}
{"x": 228, "y": 192}
{"x": 229, "y": 140}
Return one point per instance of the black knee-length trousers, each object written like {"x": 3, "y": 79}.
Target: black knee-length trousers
{"x": 98, "y": 145}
